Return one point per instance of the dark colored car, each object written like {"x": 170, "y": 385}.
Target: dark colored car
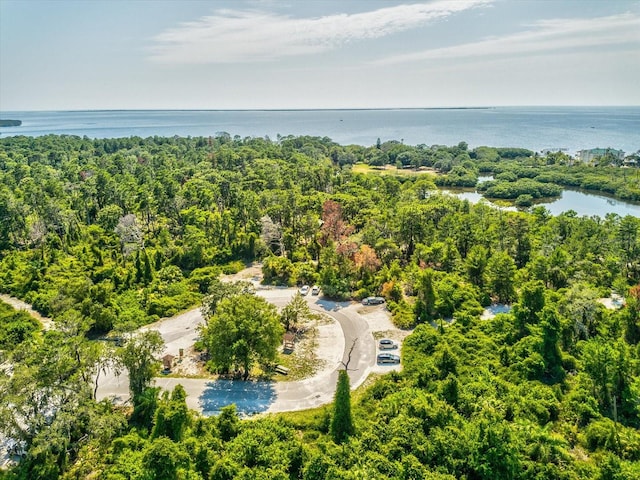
{"x": 388, "y": 358}
{"x": 373, "y": 301}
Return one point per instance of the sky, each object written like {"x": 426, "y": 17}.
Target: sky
{"x": 293, "y": 54}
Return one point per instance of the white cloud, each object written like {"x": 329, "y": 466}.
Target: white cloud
{"x": 545, "y": 36}
{"x": 232, "y": 36}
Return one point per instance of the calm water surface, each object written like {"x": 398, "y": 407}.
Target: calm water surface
{"x": 536, "y": 128}
{"x": 584, "y": 204}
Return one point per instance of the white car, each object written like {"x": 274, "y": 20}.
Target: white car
{"x": 315, "y": 290}
{"x": 387, "y": 344}
{"x": 304, "y": 290}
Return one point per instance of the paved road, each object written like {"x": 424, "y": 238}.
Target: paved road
{"x": 177, "y": 332}
{"x": 180, "y": 332}
{"x": 319, "y": 390}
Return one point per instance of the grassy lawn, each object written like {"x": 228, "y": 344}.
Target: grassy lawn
{"x": 389, "y": 170}
{"x": 302, "y": 362}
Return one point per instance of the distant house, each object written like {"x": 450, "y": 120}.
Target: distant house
{"x": 588, "y": 156}
{"x": 632, "y": 160}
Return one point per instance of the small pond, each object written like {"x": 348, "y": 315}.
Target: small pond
{"x": 582, "y": 202}
{"x": 589, "y": 204}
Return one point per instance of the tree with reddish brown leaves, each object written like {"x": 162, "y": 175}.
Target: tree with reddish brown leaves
{"x": 334, "y": 228}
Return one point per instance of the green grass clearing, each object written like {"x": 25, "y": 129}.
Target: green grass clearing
{"x": 390, "y": 170}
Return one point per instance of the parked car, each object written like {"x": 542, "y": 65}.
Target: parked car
{"x": 315, "y": 290}
{"x": 388, "y": 358}
{"x": 387, "y": 344}
{"x": 304, "y": 290}
{"x": 373, "y": 301}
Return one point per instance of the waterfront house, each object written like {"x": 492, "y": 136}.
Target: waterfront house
{"x": 588, "y": 156}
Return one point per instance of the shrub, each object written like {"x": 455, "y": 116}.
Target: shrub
{"x": 202, "y": 278}
{"x": 232, "y": 267}
{"x": 278, "y": 271}
{"x": 402, "y": 314}
{"x": 524, "y": 200}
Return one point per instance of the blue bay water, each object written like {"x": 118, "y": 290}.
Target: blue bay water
{"x": 536, "y": 128}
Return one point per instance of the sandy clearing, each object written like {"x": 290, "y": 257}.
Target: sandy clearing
{"x": 614, "y": 302}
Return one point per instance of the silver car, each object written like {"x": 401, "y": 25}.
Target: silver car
{"x": 387, "y": 344}
{"x": 373, "y": 301}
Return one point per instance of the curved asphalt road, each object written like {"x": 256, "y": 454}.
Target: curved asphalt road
{"x": 180, "y": 332}
{"x": 319, "y": 390}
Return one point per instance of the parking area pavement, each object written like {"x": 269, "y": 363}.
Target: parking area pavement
{"x": 351, "y": 325}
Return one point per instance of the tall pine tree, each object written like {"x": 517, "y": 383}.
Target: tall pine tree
{"x": 341, "y": 422}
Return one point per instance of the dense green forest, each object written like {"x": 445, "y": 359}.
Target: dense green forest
{"x": 107, "y": 235}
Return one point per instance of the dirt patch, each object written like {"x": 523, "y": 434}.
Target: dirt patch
{"x": 614, "y": 302}
{"x": 378, "y": 318}
{"x": 252, "y": 274}
{"x": 395, "y": 334}
{"x": 191, "y": 365}
{"x": 315, "y": 350}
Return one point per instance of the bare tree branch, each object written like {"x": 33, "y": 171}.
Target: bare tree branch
{"x": 346, "y": 365}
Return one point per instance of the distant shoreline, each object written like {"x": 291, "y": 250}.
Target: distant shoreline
{"x": 371, "y": 109}
{"x": 10, "y": 123}
{"x": 536, "y": 128}
{"x": 319, "y": 109}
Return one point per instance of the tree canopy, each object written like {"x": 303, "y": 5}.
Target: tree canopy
{"x": 107, "y": 235}
{"x": 243, "y": 330}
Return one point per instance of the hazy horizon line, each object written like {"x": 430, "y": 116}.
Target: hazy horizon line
{"x": 315, "y": 109}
